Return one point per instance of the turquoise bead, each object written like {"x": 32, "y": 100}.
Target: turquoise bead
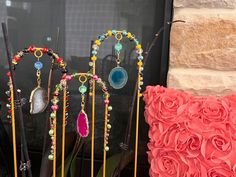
{"x": 118, "y": 47}
{"x": 101, "y": 38}
{"x": 113, "y": 32}
{"x": 82, "y": 89}
{"x": 94, "y": 52}
{"x": 38, "y": 65}
{"x": 124, "y": 32}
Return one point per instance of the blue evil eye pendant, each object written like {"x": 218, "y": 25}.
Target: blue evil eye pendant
{"x": 118, "y": 76}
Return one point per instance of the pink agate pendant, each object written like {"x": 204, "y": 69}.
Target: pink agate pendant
{"x": 82, "y": 124}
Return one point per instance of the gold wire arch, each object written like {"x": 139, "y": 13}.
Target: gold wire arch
{"x": 119, "y": 35}
{"x": 63, "y": 86}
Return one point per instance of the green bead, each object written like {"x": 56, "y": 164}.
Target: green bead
{"x": 82, "y": 89}
{"x": 118, "y": 47}
{"x": 50, "y": 157}
{"x": 109, "y": 126}
{"x": 109, "y": 108}
{"x": 50, "y": 132}
{"x": 52, "y": 115}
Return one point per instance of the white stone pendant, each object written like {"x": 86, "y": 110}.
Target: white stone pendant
{"x": 38, "y": 100}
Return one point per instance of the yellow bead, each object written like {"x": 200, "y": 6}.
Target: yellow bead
{"x": 109, "y": 33}
{"x": 14, "y": 62}
{"x": 140, "y": 63}
{"x": 129, "y": 35}
{"x": 94, "y": 58}
{"x": 98, "y": 42}
{"x": 138, "y": 46}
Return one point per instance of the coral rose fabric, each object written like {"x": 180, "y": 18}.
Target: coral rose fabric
{"x": 190, "y": 136}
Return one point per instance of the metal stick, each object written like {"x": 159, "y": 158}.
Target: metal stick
{"x": 20, "y": 113}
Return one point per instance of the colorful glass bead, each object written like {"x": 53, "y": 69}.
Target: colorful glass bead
{"x": 52, "y": 115}
{"x": 38, "y": 65}
{"x": 101, "y": 38}
{"x": 113, "y": 32}
{"x": 140, "y": 57}
{"x": 82, "y": 89}
{"x": 95, "y": 47}
{"x": 54, "y": 107}
{"x": 107, "y": 148}
{"x": 50, "y": 132}
{"x": 50, "y": 157}
{"x": 118, "y": 47}
{"x": 109, "y": 108}
{"x": 118, "y": 77}
{"x": 94, "y": 52}
{"x": 109, "y": 126}
{"x": 124, "y": 32}
{"x": 94, "y": 58}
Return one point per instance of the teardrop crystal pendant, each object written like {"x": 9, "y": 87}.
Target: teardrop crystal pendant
{"x": 38, "y": 100}
{"x": 82, "y": 124}
{"x": 118, "y": 77}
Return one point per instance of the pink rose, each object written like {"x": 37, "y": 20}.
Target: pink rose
{"x": 220, "y": 172}
{"x": 166, "y": 164}
{"x": 215, "y": 110}
{"x": 189, "y": 143}
{"x": 152, "y": 92}
{"x": 168, "y": 106}
{"x": 218, "y": 147}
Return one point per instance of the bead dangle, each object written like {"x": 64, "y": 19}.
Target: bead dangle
{"x": 82, "y": 119}
{"x": 38, "y": 96}
{"x": 118, "y": 76}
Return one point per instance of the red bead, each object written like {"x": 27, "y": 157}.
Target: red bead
{"x": 9, "y": 99}
{"x": 9, "y": 111}
{"x": 8, "y": 74}
{"x": 16, "y": 58}
{"x": 31, "y": 49}
{"x": 59, "y": 60}
{"x": 45, "y": 50}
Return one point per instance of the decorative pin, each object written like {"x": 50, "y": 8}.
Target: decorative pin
{"x": 118, "y": 76}
{"x": 38, "y": 97}
{"x": 82, "y": 119}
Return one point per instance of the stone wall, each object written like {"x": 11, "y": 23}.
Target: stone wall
{"x": 203, "y": 50}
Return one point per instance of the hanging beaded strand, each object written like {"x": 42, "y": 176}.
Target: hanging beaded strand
{"x": 139, "y": 52}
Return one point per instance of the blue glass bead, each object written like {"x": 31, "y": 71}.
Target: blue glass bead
{"x": 118, "y": 77}
{"x": 140, "y": 57}
{"x": 124, "y": 32}
{"x": 38, "y": 65}
{"x": 101, "y": 38}
{"x": 113, "y": 32}
{"x": 118, "y": 47}
{"x": 94, "y": 52}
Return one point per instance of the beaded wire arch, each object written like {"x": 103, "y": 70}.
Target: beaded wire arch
{"x": 12, "y": 105}
{"x": 63, "y": 86}
{"x": 139, "y": 51}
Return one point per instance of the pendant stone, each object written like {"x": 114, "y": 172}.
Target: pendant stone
{"x": 82, "y": 124}
{"x": 118, "y": 77}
